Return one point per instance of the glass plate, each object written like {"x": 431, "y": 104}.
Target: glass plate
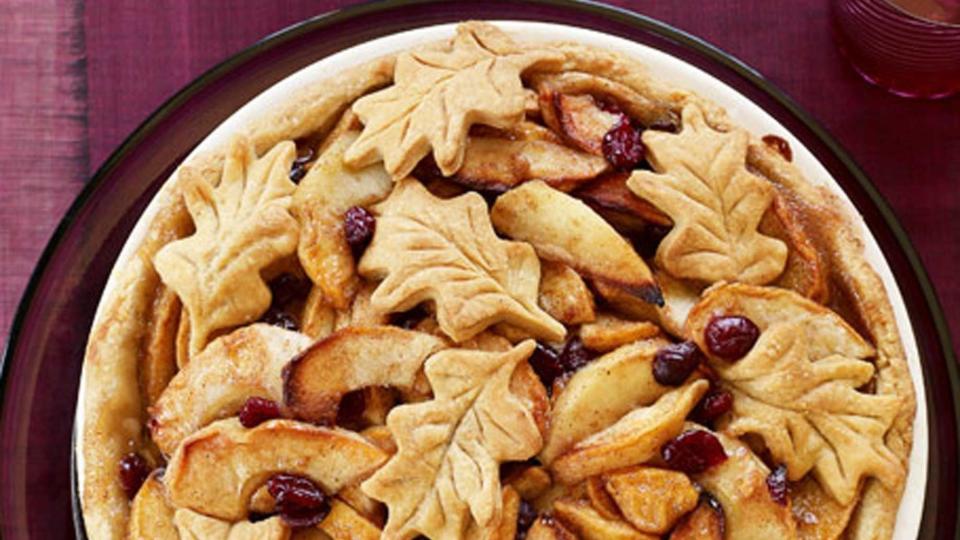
{"x": 41, "y": 365}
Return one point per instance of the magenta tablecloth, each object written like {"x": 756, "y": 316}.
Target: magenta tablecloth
{"x": 78, "y": 76}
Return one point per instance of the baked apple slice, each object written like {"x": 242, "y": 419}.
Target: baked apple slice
{"x": 251, "y": 359}
{"x": 609, "y": 332}
{"x": 350, "y": 359}
{"x": 562, "y": 228}
{"x": 634, "y": 439}
{"x": 564, "y": 295}
{"x": 650, "y": 498}
{"x": 610, "y": 193}
{"x": 584, "y": 520}
{"x": 740, "y": 485}
{"x": 706, "y": 522}
{"x": 217, "y": 469}
{"x": 805, "y": 271}
{"x": 195, "y": 526}
{"x": 548, "y": 528}
{"x": 599, "y": 394}
{"x": 345, "y": 523}
{"x": 324, "y": 195}
{"x": 679, "y": 297}
{"x": 579, "y": 118}
{"x": 151, "y": 516}
{"x": 498, "y": 164}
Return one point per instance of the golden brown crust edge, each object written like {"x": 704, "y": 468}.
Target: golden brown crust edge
{"x": 113, "y": 418}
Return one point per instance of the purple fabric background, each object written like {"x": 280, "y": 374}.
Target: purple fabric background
{"x": 79, "y": 76}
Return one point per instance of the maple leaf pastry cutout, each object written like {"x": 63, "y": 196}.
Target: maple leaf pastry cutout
{"x": 242, "y": 225}
{"x": 438, "y": 93}
{"x": 445, "y": 474}
{"x": 716, "y": 204}
{"x": 430, "y": 249}
{"x": 800, "y": 388}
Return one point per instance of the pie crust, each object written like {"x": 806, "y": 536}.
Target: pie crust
{"x": 507, "y": 236}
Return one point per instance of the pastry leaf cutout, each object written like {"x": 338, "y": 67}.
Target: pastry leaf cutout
{"x": 426, "y": 248}
{"x": 799, "y": 389}
{"x": 438, "y": 93}
{"x": 242, "y": 225}
{"x": 702, "y": 183}
{"x": 446, "y": 469}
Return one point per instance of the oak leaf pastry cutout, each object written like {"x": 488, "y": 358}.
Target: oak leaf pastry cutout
{"x": 251, "y": 358}
{"x": 427, "y": 248}
{"x": 328, "y": 190}
{"x": 716, "y": 204}
{"x": 438, "y": 94}
{"x": 564, "y": 229}
{"x": 445, "y": 474}
{"x": 798, "y": 388}
{"x": 242, "y": 225}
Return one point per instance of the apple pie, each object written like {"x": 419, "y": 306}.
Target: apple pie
{"x": 490, "y": 288}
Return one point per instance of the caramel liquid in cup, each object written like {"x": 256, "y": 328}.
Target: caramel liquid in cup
{"x": 908, "y": 47}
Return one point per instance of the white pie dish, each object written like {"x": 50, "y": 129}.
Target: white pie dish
{"x": 663, "y": 66}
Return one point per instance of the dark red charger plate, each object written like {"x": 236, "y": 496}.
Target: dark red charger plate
{"x": 41, "y": 365}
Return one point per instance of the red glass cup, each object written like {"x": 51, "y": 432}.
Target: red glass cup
{"x": 908, "y": 47}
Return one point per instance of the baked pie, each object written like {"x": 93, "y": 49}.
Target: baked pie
{"x": 489, "y": 288}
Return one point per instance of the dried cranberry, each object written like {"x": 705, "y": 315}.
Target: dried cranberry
{"x": 359, "y": 225}
{"x": 777, "y": 485}
{"x": 526, "y": 515}
{"x": 574, "y": 355}
{"x": 693, "y": 452}
{"x": 622, "y": 146}
{"x": 278, "y": 317}
{"x": 300, "y": 502}
{"x": 257, "y": 410}
{"x": 715, "y": 404}
{"x": 350, "y": 411}
{"x": 675, "y": 362}
{"x": 133, "y": 472}
{"x": 297, "y": 172}
{"x": 546, "y": 364}
{"x": 731, "y": 336}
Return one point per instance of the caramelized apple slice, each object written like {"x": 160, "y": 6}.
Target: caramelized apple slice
{"x": 578, "y": 118}
{"x": 652, "y": 499}
{"x": 610, "y": 193}
{"x": 599, "y": 394}
{"x": 562, "y": 228}
{"x": 345, "y": 523}
{"x": 818, "y": 515}
{"x": 371, "y": 509}
{"x": 158, "y": 363}
{"x": 318, "y": 318}
{"x": 805, "y": 271}
{"x": 601, "y": 500}
{"x": 216, "y": 470}
{"x": 351, "y": 359}
{"x": 530, "y": 482}
{"x": 679, "y": 297}
{"x": 564, "y": 295}
{"x": 609, "y": 332}
{"x": 740, "y": 485}
{"x": 548, "y": 528}
{"x": 328, "y": 190}
{"x": 636, "y": 438}
{"x": 704, "y": 523}
{"x": 497, "y": 164}
{"x": 636, "y": 105}
{"x": 251, "y": 359}
{"x": 151, "y": 516}
{"x": 588, "y": 524}
{"x": 195, "y": 526}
